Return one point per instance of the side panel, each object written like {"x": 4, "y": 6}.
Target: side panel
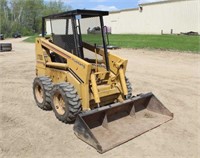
{"x": 77, "y": 65}
{"x": 59, "y": 76}
{"x": 40, "y": 61}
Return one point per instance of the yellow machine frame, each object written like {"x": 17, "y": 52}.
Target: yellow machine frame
{"x": 83, "y": 74}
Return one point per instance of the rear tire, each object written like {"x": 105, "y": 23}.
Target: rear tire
{"x": 129, "y": 88}
{"x": 42, "y": 87}
{"x": 65, "y": 102}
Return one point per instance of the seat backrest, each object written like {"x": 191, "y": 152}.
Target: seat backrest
{"x": 65, "y": 41}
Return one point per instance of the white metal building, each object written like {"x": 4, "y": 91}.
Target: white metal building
{"x": 171, "y": 16}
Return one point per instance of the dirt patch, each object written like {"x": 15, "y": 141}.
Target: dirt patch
{"x": 27, "y": 131}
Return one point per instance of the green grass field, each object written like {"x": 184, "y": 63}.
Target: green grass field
{"x": 31, "y": 39}
{"x": 163, "y": 42}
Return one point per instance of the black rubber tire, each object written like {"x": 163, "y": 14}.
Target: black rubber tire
{"x": 46, "y": 87}
{"x": 5, "y": 47}
{"x": 129, "y": 87}
{"x": 72, "y": 104}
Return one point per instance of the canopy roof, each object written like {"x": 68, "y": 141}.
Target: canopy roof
{"x": 83, "y": 13}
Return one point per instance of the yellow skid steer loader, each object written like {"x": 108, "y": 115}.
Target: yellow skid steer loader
{"x": 82, "y": 82}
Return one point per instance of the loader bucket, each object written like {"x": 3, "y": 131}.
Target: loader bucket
{"x": 109, "y": 126}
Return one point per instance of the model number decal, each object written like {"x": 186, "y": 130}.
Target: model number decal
{"x": 79, "y": 63}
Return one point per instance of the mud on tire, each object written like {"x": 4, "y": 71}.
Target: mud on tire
{"x": 65, "y": 102}
{"x": 42, "y": 87}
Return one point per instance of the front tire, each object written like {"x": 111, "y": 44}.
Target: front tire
{"x": 42, "y": 87}
{"x": 65, "y": 102}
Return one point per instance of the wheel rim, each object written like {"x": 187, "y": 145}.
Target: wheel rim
{"x": 59, "y": 103}
{"x": 39, "y": 93}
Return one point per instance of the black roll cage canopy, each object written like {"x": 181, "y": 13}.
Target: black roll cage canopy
{"x": 73, "y": 13}
{"x": 83, "y": 14}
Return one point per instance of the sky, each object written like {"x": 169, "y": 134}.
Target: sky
{"x": 109, "y": 5}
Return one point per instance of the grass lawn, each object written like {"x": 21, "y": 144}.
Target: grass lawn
{"x": 31, "y": 39}
{"x": 163, "y": 42}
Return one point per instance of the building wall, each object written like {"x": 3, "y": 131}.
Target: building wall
{"x": 176, "y": 15}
